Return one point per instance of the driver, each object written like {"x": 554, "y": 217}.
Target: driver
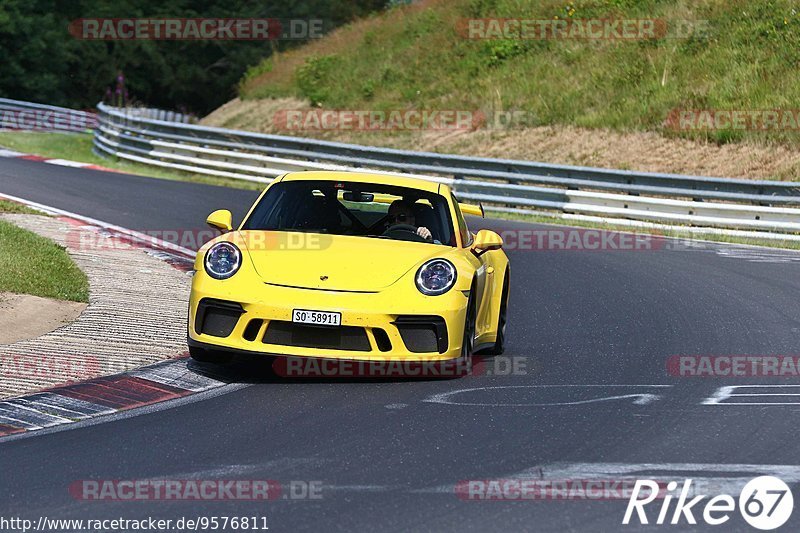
{"x": 401, "y": 212}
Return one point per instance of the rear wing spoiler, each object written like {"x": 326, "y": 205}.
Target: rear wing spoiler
{"x": 469, "y": 209}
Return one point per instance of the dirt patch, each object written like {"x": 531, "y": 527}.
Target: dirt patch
{"x": 24, "y": 317}
{"x": 252, "y": 115}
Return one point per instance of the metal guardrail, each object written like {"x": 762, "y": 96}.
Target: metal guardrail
{"x": 768, "y": 206}
{"x": 159, "y": 114}
{"x": 28, "y": 116}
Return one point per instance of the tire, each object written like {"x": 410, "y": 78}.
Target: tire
{"x": 202, "y": 355}
{"x": 502, "y": 319}
{"x": 468, "y": 342}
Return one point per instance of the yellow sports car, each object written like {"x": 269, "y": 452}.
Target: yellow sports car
{"x": 350, "y": 266}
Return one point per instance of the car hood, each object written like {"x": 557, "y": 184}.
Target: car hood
{"x": 334, "y": 262}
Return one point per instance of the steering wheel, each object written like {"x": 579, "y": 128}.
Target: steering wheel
{"x": 403, "y": 232}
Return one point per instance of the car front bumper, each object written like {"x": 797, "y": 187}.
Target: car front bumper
{"x": 389, "y": 325}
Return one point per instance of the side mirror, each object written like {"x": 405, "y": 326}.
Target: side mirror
{"x": 485, "y": 241}
{"x": 221, "y": 220}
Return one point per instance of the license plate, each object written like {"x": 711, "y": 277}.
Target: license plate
{"x": 319, "y": 318}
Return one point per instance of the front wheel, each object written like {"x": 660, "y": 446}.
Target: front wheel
{"x": 500, "y": 344}
{"x": 468, "y": 343}
{"x": 209, "y": 356}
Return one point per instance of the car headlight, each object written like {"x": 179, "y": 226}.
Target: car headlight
{"x": 223, "y": 260}
{"x": 436, "y": 277}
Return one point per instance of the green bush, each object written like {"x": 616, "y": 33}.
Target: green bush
{"x": 314, "y": 78}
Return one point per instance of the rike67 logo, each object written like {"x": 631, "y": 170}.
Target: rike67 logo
{"x": 765, "y": 503}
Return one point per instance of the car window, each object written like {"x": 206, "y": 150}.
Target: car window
{"x": 466, "y": 236}
{"x": 357, "y": 209}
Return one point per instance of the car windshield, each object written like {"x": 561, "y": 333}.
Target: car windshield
{"x": 351, "y": 208}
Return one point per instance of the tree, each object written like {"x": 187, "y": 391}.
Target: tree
{"x": 42, "y": 62}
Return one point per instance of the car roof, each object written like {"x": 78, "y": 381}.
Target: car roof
{"x": 367, "y": 177}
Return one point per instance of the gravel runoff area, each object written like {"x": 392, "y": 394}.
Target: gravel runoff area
{"x": 136, "y": 313}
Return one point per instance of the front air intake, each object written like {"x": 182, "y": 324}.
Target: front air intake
{"x": 283, "y": 333}
{"x": 217, "y": 318}
{"x": 423, "y": 333}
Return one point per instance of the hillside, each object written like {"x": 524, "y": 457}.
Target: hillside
{"x": 604, "y": 102}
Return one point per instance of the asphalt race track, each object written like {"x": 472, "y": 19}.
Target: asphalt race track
{"x": 594, "y": 330}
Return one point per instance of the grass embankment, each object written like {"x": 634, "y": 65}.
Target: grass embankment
{"x": 16, "y": 209}
{"x": 30, "y": 264}
{"x": 78, "y": 147}
{"x": 595, "y": 102}
{"x": 740, "y": 54}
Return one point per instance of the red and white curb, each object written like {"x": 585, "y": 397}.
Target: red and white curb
{"x": 166, "y": 380}
{"x": 53, "y": 161}
{"x": 74, "y": 402}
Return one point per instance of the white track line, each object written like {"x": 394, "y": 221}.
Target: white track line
{"x": 66, "y": 163}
